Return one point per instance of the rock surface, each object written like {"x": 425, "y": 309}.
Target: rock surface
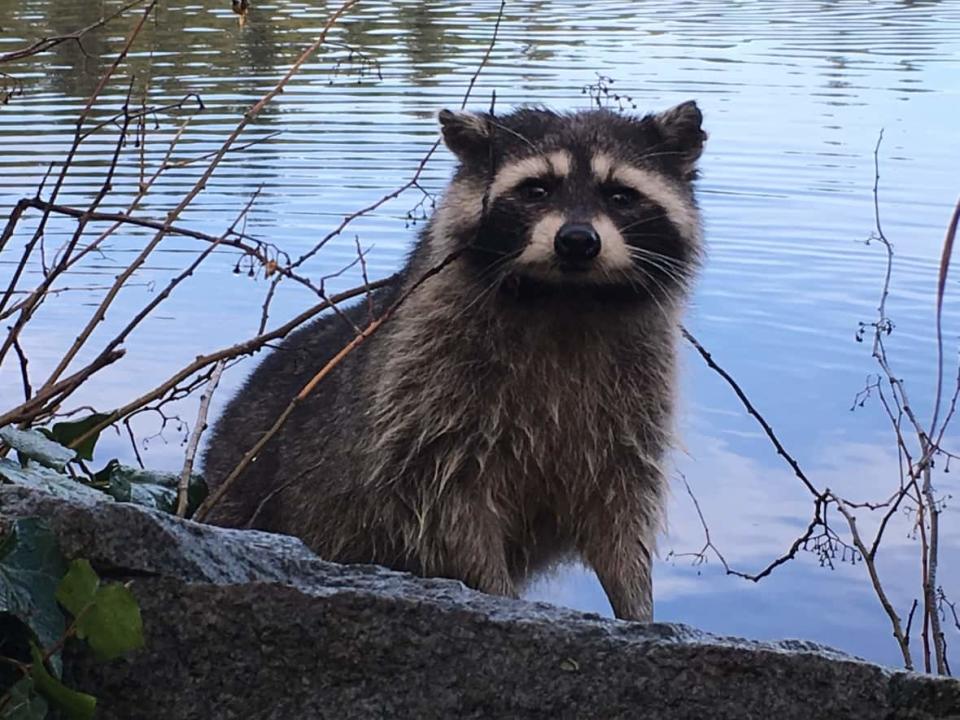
{"x": 251, "y": 625}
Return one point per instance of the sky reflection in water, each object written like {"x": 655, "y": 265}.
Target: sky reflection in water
{"x": 794, "y": 97}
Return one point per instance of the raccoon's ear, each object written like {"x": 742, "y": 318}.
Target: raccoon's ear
{"x": 466, "y": 134}
{"x": 681, "y": 132}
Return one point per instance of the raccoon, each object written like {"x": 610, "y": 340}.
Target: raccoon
{"x": 516, "y": 410}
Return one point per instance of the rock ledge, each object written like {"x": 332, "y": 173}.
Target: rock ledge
{"x": 252, "y": 625}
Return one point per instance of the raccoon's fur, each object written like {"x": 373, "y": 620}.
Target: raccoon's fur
{"x": 516, "y": 410}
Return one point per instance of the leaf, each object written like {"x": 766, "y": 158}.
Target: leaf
{"x": 106, "y": 616}
{"x": 24, "y": 703}
{"x": 30, "y": 569}
{"x": 66, "y": 432}
{"x": 78, "y": 589}
{"x": 36, "y": 446}
{"x": 75, "y": 705}
{"x": 148, "y": 487}
{"x": 47, "y": 480}
{"x": 112, "y": 624}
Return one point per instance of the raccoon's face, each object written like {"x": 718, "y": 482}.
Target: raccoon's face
{"x": 592, "y": 203}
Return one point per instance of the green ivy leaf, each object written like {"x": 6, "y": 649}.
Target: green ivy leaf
{"x": 106, "y": 616}
{"x": 78, "y": 589}
{"x": 75, "y": 705}
{"x": 36, "y": 446}
{"x": 112, "y": 625}
{"x": 148, "y": 487}
{"x": 30, "y": 569}
{"x": 24, "y": 703}
{"x": 66, "y": 432}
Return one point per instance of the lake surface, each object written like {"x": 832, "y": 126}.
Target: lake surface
{"x": 794, "y": 97}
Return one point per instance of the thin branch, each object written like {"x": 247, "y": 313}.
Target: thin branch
{"x": 24, "y": 374}
{"x": 752, "y": 410}
{"x": 27, "y": 310}
{"x": 183, "y": 487}
{"x": 415, "y": 178}
{"x": 898, "y": 633}
{"x": 53, "y": 395}
{"x": 246, "y": 347}
{"x": 191, "y": 194}
{"x": 700, "y": 556}
{"x": 45, "y": 44}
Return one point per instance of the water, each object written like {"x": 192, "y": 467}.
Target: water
{"x": 794, "y": 97}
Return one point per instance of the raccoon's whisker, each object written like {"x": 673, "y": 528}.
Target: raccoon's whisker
{"x": 494, "y": 271}
{"x": 667, "y": 264}
{"x": 675, "y": 276}
{"x": 642, "y": 221}
{"x": 666, "y": 274}
{"x": 653, "y": 294}
{"x": 670, "y": 267}
{"x": 646, "y": 235}
{"x": 628, "y": 276}
{"x": 484, "y": 294}
{"x": 663, "y": 153}
{"x": 647, "y": 252}
{"x": 499, "y": 264}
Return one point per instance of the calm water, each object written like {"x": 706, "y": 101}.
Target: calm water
{"x": 794, "y": 96}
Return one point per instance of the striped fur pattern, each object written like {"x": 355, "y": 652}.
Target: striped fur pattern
{"x": 516, "y": 411}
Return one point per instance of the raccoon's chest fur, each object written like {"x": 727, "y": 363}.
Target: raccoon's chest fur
{"x": 533, "y": 413}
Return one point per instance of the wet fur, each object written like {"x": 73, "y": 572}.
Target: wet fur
{"x": 498, "y": 424}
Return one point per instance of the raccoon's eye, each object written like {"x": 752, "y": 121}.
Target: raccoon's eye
{"x": 620, "y": 196}
{"x": 534, "y": 190}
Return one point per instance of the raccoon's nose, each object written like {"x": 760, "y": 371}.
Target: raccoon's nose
{"x": 577, "y": 242}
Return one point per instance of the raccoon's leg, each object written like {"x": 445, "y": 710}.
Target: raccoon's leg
{"x": 468, "y": 545}
{"x": 618, "y": 548}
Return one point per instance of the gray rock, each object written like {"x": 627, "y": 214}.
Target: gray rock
{"x": 252, "y": 625}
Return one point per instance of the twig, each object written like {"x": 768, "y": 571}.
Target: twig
{"x": 45, "y": 44}
{"x": 869, "y": 561}
{"x": 700, "y": 557}
{"x": 203, "y": 361}
{"x": 191, "y": 194}
{"x": 748, "y": 405}
{"x": 415, "y": 178}
{"x": 27, "y": 310}
{"x": 49, "y": 206}
{"x": 906, "y": 633}
{"x": 363, "y": 273}
{"x": 24, "y": 375}
{"x": 52, "y": 395}
{"x": 199, "y": 426}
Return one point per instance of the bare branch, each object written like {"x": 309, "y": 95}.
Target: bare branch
{"x": 24, "y": 375}
{"x": 869, "y": 561}
{"x": 752, "y": 410}
{"x": 45, "y": 44}
{"x": 246, "y": 347}
{"x": 199, "y": 426}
